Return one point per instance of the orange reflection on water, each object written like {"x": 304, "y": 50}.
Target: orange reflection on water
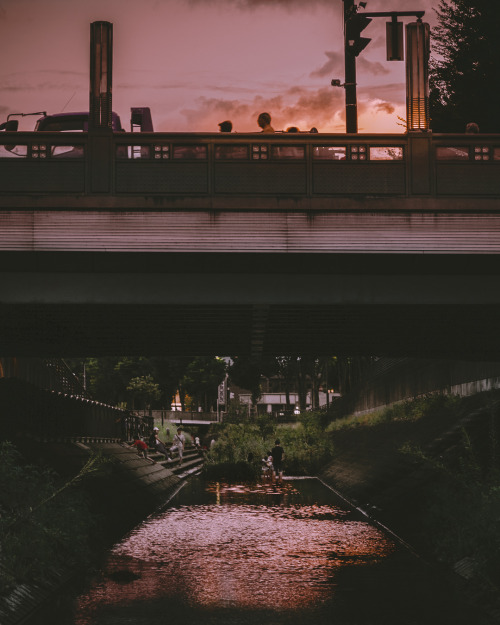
{"x": 231, "y": 553}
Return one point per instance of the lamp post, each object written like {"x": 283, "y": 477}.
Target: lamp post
{"x": 417, "y": 76}
{"x": 101, "y": 68}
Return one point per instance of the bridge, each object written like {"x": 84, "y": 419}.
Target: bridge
{"x": 249, "y": 244}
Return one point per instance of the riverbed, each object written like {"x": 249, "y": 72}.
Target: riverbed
{"x": 272, "y": 554}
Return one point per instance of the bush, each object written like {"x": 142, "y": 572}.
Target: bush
{"x": 462, "y": 515}
{"x": 43, "y": 525}
{"x": 306, "y": 446}
{"x": 435, "y": 405}
{"x": 241, "y": 471}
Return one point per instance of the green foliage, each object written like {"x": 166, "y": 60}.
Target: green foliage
{"x": 143, "y": 391}
{"x": 172, "y": 430}
{"x": 247, "y": 373}
{"x": 202, "y": 378}
{"x": 307, "y": 448}
{"x": 235, "y": 442}
{"x": 43, "y": 523}
{"x": 240, "y": 471}
{"x": 463, "y": 512}
{"x": 236, "y": 412}
{"x": 465, "y": 75}
{"x": 432, "y": 405}
{"x": 152, "y": 382}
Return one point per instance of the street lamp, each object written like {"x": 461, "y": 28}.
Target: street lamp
{"x": 417, "y": 76}
{"x": 101, "y": 68}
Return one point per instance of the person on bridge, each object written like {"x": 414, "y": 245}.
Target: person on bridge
{"x": 264, "y": 121}
{"x": 179, "y": 441}
{"x": 226, "y": 126}
{"x": 472, "y": 128}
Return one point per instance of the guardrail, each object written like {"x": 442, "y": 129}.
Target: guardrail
{"x": 206, "y": 165}
{"x": 40, "y": 398}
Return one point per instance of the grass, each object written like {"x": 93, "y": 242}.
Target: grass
{"x": 432, "y": 405}
{"x": 459, "y": 514}
{"x": 45, "y": 523}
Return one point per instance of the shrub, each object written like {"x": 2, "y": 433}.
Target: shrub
{"x": 306, "y": 446}
{"x": 43, "y": 523}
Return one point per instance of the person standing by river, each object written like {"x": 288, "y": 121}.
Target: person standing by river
{"x": 278, "y": 454}
{"x": 178, "y": 444}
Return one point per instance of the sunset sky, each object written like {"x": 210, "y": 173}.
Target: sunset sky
{"x": 198, "y": 62}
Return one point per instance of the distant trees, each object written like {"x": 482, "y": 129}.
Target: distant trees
{"x": 465, "y": 72}
{"x": 142, "y": 382}
{"x": 143, "y": 391}
{"x": 299, "y": 374}
{"x": 201, "y": 380}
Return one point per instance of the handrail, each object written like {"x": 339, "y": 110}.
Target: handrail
{"x": 217, "y": 165}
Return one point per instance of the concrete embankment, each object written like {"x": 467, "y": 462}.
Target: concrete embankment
{"x": 374, "y": 470}
{"x": 123, "y": 493}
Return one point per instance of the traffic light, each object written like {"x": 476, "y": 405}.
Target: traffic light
{"x": 394, "y": 39}
{"x": 353, "y": 28}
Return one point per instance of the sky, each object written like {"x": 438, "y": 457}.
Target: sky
{"x": 196, "y": 63}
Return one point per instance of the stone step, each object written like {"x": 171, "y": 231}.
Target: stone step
{"x": 186, "y": 465}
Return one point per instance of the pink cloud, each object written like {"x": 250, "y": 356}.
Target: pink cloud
{"x": 385, "y": 107}
{"x": 335, "y": 64}
{"x": 322, "y": 108}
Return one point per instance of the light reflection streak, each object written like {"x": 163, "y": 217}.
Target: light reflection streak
{"x": 232, "y": 553}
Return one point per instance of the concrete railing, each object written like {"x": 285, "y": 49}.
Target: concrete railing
{"x": 206, "y": 165}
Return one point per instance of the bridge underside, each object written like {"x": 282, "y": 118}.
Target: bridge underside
{"x": 83, "y": 304}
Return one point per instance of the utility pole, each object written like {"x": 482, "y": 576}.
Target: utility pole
{"x": 354, "y": 23}
{"x": 351, "y": 106}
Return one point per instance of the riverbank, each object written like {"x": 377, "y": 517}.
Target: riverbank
{"x": 433, "y": 481}
{"x": 117, "y": 496}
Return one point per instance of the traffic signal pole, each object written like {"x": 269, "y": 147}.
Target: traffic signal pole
{"x": 354, "y": 44}
{"x": 351, "y": 104}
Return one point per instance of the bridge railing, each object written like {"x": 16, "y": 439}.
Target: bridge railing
{"x": 41, "y": 398}
{"x": 286, "y": 165}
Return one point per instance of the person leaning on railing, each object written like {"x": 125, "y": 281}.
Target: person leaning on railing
{"x": 472, "y": 128}
{"x": 264, "y": 122}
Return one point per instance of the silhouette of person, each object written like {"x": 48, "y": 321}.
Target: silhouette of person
{"x": 264, "y": 122}
{"x": 226, "y": 126}
{"x": 278, "y": 454}
{"x": 472, "y": 128}
{"x": 292, "y": 129}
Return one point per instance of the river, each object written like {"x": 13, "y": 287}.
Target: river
{"x": 288, "y": 554}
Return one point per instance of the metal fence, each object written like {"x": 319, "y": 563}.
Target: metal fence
{"x": 42, "y": 399}
{"x": 390, "y": 380}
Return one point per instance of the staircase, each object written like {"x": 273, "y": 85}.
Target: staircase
{"x": 192, "y": 461}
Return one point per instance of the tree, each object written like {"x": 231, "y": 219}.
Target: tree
{"x": 108, "y": 378}
{"x": 143, "y": 391}
{"x": 246, "y": 373}
{"x": 202, "y": 379}
{"x": 465, "y": 74}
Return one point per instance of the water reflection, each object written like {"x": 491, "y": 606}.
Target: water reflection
{"x": 251, "y": 548}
